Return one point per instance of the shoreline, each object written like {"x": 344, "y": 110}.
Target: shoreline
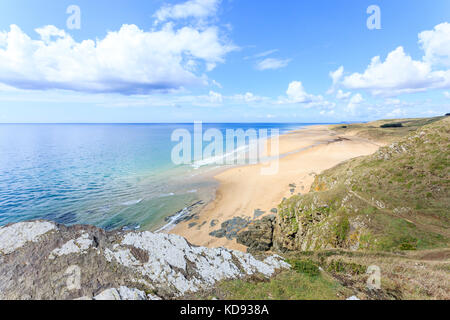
{"x": 192, "y": 210}
{"x": 243, "y": 194}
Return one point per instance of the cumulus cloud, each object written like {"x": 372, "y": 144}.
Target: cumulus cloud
{"x": 354, "y": 102}
{"x": 128, "y": 61}
{"x": 198, "y": 9}
{"x": 272, "y": 64}
{"x": 399, "y": 73}
{"x": 341, "y": 95}
{"x": 296, "y": 94}
{"x": 335, "y": 77}
{"x": 436, "y": 44}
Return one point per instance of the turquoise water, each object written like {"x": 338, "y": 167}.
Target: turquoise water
{"x": 108, "y": 175}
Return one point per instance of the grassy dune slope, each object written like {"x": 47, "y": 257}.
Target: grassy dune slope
{"x": 374, "y": 131}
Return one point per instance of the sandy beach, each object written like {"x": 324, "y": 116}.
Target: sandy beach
{"x": 303, "y": 154}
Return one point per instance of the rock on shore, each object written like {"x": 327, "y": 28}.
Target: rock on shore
{"x": 43, "y": 260}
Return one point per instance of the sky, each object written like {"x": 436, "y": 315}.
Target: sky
{"x": 322, "y": 61}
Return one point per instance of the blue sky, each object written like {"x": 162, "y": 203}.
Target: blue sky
{"x": 223, "y": 61}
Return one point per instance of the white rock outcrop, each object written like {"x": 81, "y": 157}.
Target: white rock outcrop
{"x": 15, "y": 236}
{"x": 170, "y": 255}
{"x": 122, "y": 293}
{"x": 43, "y": 260}
{"x": 79, "y": 245}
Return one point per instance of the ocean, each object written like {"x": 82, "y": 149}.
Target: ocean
{"x": 108, "y": 175}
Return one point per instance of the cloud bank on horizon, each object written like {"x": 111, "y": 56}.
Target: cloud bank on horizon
{"x": 186, "y": 43}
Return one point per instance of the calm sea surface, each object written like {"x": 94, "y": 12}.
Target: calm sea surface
{"x": 108, "y": 175}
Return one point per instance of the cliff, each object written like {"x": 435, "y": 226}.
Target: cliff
{"x": 44, "y": 260}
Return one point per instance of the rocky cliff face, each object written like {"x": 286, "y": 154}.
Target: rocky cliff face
{"x": 43, "y": 260}
{"x": 259, "y": 236}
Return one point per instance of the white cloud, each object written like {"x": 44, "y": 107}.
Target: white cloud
{"x": 249, "y": 97}
{"x": 272, "y": 64}
{"x": 296, "y": 93}
{"x": 396, "y": 113}
{"x": 327, "y": 113}
{"x": 341, "y": 95}
{"x": 128, "y": 61}
{"x": 354, "y": 102}
{"x": 399, "y": 73}
{"x": 217, "y": 84}
{"x": 265, "y": 53}
{"x": 198, "y": 9}
{"x": 447, "y": 94}
{"x": 262, "y": 54}
{"x": 436, "y": 44}
{"x": 335, "y": 77}
{"x": 215, "y": 97}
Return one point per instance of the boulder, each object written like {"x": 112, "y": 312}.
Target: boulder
{"x": 259, "y": 236}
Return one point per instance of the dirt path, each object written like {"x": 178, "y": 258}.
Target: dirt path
{"x": 426, "y": 227}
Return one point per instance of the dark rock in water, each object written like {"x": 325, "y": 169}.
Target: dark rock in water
{"x": 66, "y": 218}
{"x": 259, "y": 236}
{"x": 184, "y": 214}
{"x": 231, "y": 228}
{"x": 258, "y": 213}
{"x": 218, "y": 233}
{"x": 214, "y": 223}
{"x": 131, "y": 227}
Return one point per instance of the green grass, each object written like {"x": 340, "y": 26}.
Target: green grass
{"x": 386, "y": 130}
{"x": 307, "y": 267}
{"x": 288, "y": 285}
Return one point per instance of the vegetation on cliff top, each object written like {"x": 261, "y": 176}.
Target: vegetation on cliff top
{"x": 340, "y": 274}
{"x": 395, "y": 199}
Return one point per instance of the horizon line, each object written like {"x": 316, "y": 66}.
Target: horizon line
{"x": 142, "y": 123}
